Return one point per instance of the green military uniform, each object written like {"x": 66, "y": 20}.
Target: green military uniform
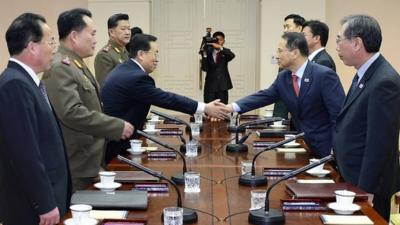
{"x": 107, "y": 59}
{"x": 74, "y": 94}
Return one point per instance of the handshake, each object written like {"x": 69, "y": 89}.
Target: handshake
{"x": 216, "y": 110}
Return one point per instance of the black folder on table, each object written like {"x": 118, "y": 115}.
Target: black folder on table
{"x": 275, "y": 133}
{"x": 111, "y": 200}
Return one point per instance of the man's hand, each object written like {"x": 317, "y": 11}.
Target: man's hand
{"x": 50, "y": 218}
{"x": 216, "y": 109}
{"x": 128, "y": 131}
{"x": 216, "y": 46}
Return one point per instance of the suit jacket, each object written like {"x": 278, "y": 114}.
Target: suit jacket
{"x": 33, "y": 165}
{"x": 314, "y": 111}
{"x": 107, "y": 59}
{"x": 367, "y": 131}
{"x": 129, "y": 92}
{"x": 73, "y": 91}
{"x": 323, "y": 58}
{"x": 217, "y": 78}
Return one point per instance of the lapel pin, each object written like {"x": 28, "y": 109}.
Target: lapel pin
{"x": 306, "y": 80}
{"x": 361, "y": 85}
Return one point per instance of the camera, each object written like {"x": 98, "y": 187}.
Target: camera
{"x": 207, "y": 38}
{"x": 207, "y": 41}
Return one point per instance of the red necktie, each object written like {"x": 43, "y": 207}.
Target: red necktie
{"x": 295, "y": 84}
{"x": 218, "y": 57}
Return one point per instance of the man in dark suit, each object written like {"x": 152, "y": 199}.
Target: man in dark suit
{"x": 218, "y": 81}
{"x": 367, "y": 131}
{"x": 312, "y": 93}
{"x": 33, "y": 168}
{"x": 316, "y": 34}
{"x": 129, "y": 91}
{"x": 292, "y": 23}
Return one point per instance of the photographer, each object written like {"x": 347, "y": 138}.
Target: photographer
{"x": 214, "y": 61}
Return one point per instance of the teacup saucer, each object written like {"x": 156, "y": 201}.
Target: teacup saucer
{"x": 88, "y": 221}
{"x": 278, "y": 126}
{"x": 107, "y": 187}
{"x": 136, "y": 152}
{"x": 291, "y": 145}
{"x": 151, "y": 131}
{"x": 155, "y": 121}
{"x": 321, "y": 173}
{"x": 347, "y": 210}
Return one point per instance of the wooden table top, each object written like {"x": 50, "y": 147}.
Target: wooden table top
{"x": 221, "y": 194}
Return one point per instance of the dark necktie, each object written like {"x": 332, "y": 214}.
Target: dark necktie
{"x": 44, "y": 93}
{"x": 295, "y": 84}
{"x": 353, "y": 85}
{"x": 218, "y": 57}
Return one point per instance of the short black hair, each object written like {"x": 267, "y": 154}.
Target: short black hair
{"x": 136, "y": 30}
{"x": 25, "y": 28}
{"x": 297, "y": 19}
{"x": 296, "y": 40}
{"x": 320, "y": 29}
{"x": 367, "y": 28}
{"x": 113, "y": 20}
{"x": 140, "y": 42}
{"x": 71, "y": 20}
{"x": 218, "y": 33}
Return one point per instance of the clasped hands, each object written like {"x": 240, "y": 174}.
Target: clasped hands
{"x": 216, "y": 110}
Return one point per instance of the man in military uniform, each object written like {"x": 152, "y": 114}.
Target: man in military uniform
{"x": 74, "y": 94}
{"x": 114, "y": 53}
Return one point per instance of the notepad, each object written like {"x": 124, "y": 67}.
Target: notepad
{"x": 108, "y": 214}
{"x": 315, "y": 181}
{"x": 291, "y": 150}
{"x": 335, "y": 219}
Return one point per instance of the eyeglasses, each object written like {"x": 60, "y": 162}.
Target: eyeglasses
{"x": 155, "y": 53}
{"x": 340, "y": 39}
{"x": 279, "y": 50}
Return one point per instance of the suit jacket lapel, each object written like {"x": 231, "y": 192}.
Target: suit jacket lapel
{"x": 305, "y": 81}
{"x": 317, "y": 55}
{"x": 362, "y": 84}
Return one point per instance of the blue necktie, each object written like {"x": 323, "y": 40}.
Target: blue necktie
{"x": 353, "y": 85}
{"x": 42, "y": 89}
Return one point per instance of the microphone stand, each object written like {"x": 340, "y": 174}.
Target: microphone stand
{"x": 236, "y": 128}
{"x": 267, "y": 216}
{"x": 189, "y": 215}
{"x": 178, "y": 178}
{"x": 252, "y": 179}
{"x": 188, "y": 129}
{"x": 240, "y": 147}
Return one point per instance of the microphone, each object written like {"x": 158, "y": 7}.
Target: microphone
{"x": 189, "y": 216}
{"x": 239, "y": 146}
{"x": 178, "y": 178}
{"x": 267, "y": 216}
{"x": 188, "y": 129}
{"x": 252, "y": 179}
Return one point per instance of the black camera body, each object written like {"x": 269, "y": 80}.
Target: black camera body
{"x": 207, "y": 40}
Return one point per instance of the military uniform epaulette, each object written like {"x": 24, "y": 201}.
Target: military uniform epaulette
{"x": 117, "y": 50}
{"x": 66, "y": 60}
{"x": 78, "y": 64}
{"x": 107, "y": 48}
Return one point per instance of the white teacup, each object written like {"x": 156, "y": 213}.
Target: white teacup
{"x": 290, "y": 136}
{"x": 269, "y": 113}
{"x": 278, "y": 123}
{"x": 80, "y": 213}
{"x": 317, "y": 169}
{"x": 107, "y": 177}
{"x": 155, "y": 117}
{"x": 150, "y": 125}
{"x": 344, "y": 198}
{"x": 246, "y": 166}
{"x": 136, "y": 145}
